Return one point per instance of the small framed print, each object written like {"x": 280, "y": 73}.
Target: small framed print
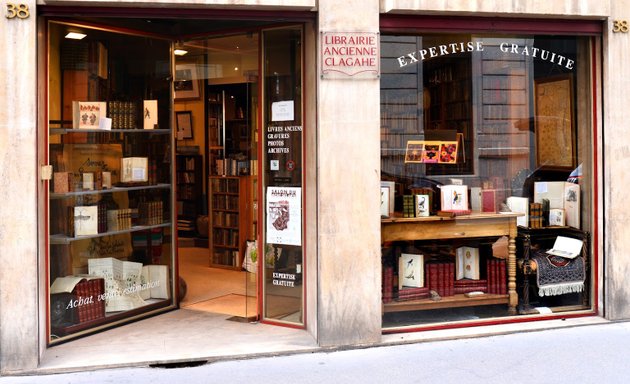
{"x": 184, "y": 125}
{"x": 186, "y": 82}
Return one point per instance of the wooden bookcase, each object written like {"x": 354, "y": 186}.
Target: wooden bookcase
{"x": 478, "y": 225}
{"x": 189, "y": 192}
{"x": 230, "y": 208}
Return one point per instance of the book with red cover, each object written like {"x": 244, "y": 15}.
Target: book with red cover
{"x": 388, "y": 284}
{"x": 502, "y": 279}
{"x": 488, "y": 200}
{"x": 491, "y": 278}
{"x": 467, "y": 285}
{"x": 495, "y": 276}
{"x": 443, "y": 277}
{"x": 451, "y": 278}
{"x": 431, "y": 270}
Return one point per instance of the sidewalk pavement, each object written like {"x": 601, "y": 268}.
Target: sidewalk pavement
{"x": 582, "y": 354}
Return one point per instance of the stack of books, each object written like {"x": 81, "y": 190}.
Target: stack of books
{"x": 408, "y": 293}
{"x": 468, "y": 285}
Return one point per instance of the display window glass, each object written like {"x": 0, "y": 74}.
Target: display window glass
{"x": 283, "y": 174}
{"x": 110, "y": 231}
{"x": 487, "y": 176}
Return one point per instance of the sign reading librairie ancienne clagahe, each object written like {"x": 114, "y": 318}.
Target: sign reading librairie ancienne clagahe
{"x": 350, "y": 55}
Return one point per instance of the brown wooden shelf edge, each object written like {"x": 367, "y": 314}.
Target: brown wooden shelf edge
{"x": 459, "y": 300}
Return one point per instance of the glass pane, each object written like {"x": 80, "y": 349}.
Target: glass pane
{"x": 283, "y": 174}
{"x": 110, "y": 226}
{"x": 485, "y": 150}
{"x": 225, "y": 68}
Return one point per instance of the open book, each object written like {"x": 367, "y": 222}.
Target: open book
{"x": 566, "y": 247}
{"x": 467, "y": 263}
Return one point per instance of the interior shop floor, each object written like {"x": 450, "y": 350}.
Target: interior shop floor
{"x": 187, "y": 334}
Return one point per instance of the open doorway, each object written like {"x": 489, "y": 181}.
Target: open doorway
{"x": 216, "y": 88}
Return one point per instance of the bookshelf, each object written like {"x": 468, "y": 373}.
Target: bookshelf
{"x": 231, "y": 219}
{"x": 189, "y": 192}
{"x": 481, "y": 225}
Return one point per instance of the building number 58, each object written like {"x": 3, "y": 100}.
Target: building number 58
{"x": 620, "y": 26}
{"x": 17, "y": 10}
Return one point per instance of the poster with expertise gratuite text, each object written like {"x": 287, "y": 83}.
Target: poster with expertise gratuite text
{"x": 284, "y": 215}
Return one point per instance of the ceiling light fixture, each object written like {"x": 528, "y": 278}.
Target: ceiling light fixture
{"x": 180, "y": 52}
{"x": 75, "y": 35}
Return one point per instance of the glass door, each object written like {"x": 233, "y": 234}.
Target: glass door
{"x": 217, "y": 81}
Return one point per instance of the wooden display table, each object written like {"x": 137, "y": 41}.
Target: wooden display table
{"x": 460, "y": 227}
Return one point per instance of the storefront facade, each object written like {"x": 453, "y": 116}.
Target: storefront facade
{"x": 360, "y": 97}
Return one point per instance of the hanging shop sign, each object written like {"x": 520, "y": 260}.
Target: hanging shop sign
{"x": 350, "y": 55}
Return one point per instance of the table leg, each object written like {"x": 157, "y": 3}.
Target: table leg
{"x": 513, "y": 296}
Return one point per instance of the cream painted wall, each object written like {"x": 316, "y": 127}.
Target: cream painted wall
{"x": 616, "y": 155}
{"x": 504, "y": 8}
{"x": 348, "y": 229}
{"x": 19, "y": 274}
{"x": 348, "y": 172}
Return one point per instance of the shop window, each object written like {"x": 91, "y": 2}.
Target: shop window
{"x": 110, "y": 254}
{"x": 486, "y": 164}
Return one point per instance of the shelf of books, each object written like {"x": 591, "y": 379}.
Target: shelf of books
{"x": 433, "y": 274}
{"x": 230, "y": 219}
{"x": 189, "y": 193}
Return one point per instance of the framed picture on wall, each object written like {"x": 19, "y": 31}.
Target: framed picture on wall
{"x": 554, "y": 123}
{"x": 183, "y": 120}
{"x": 186, "y": 82}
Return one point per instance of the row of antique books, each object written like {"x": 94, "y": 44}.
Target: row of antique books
{"x": 150, "y": 213}
{"x": 95, "y": 219}
{"x": 90, "y": 290}
{"x": 124, "y": 114}
{"x": 440, "y": 277}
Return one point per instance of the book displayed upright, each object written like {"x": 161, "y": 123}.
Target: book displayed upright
{"x": 467, "y": 263}
{"x": 88, "y": 114}
{"x": 572, "y": 205}
{"x": 150, "y": 114}
{"x": 519, "y": 205}
{"x": 409, "y": 209}
{"x": 422, "y": 204}
{"x": 85, "y": 220}
{"x": 410, "y": 270}
{"x": 391, "y": 185}
{"x": 454, "y": 197}
{"x": 134, "y": 169}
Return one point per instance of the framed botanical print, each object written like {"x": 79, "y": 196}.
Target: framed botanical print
{"x": 554, "y": 123}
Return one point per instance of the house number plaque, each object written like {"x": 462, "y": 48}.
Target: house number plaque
{"x": 19, "y": 11}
